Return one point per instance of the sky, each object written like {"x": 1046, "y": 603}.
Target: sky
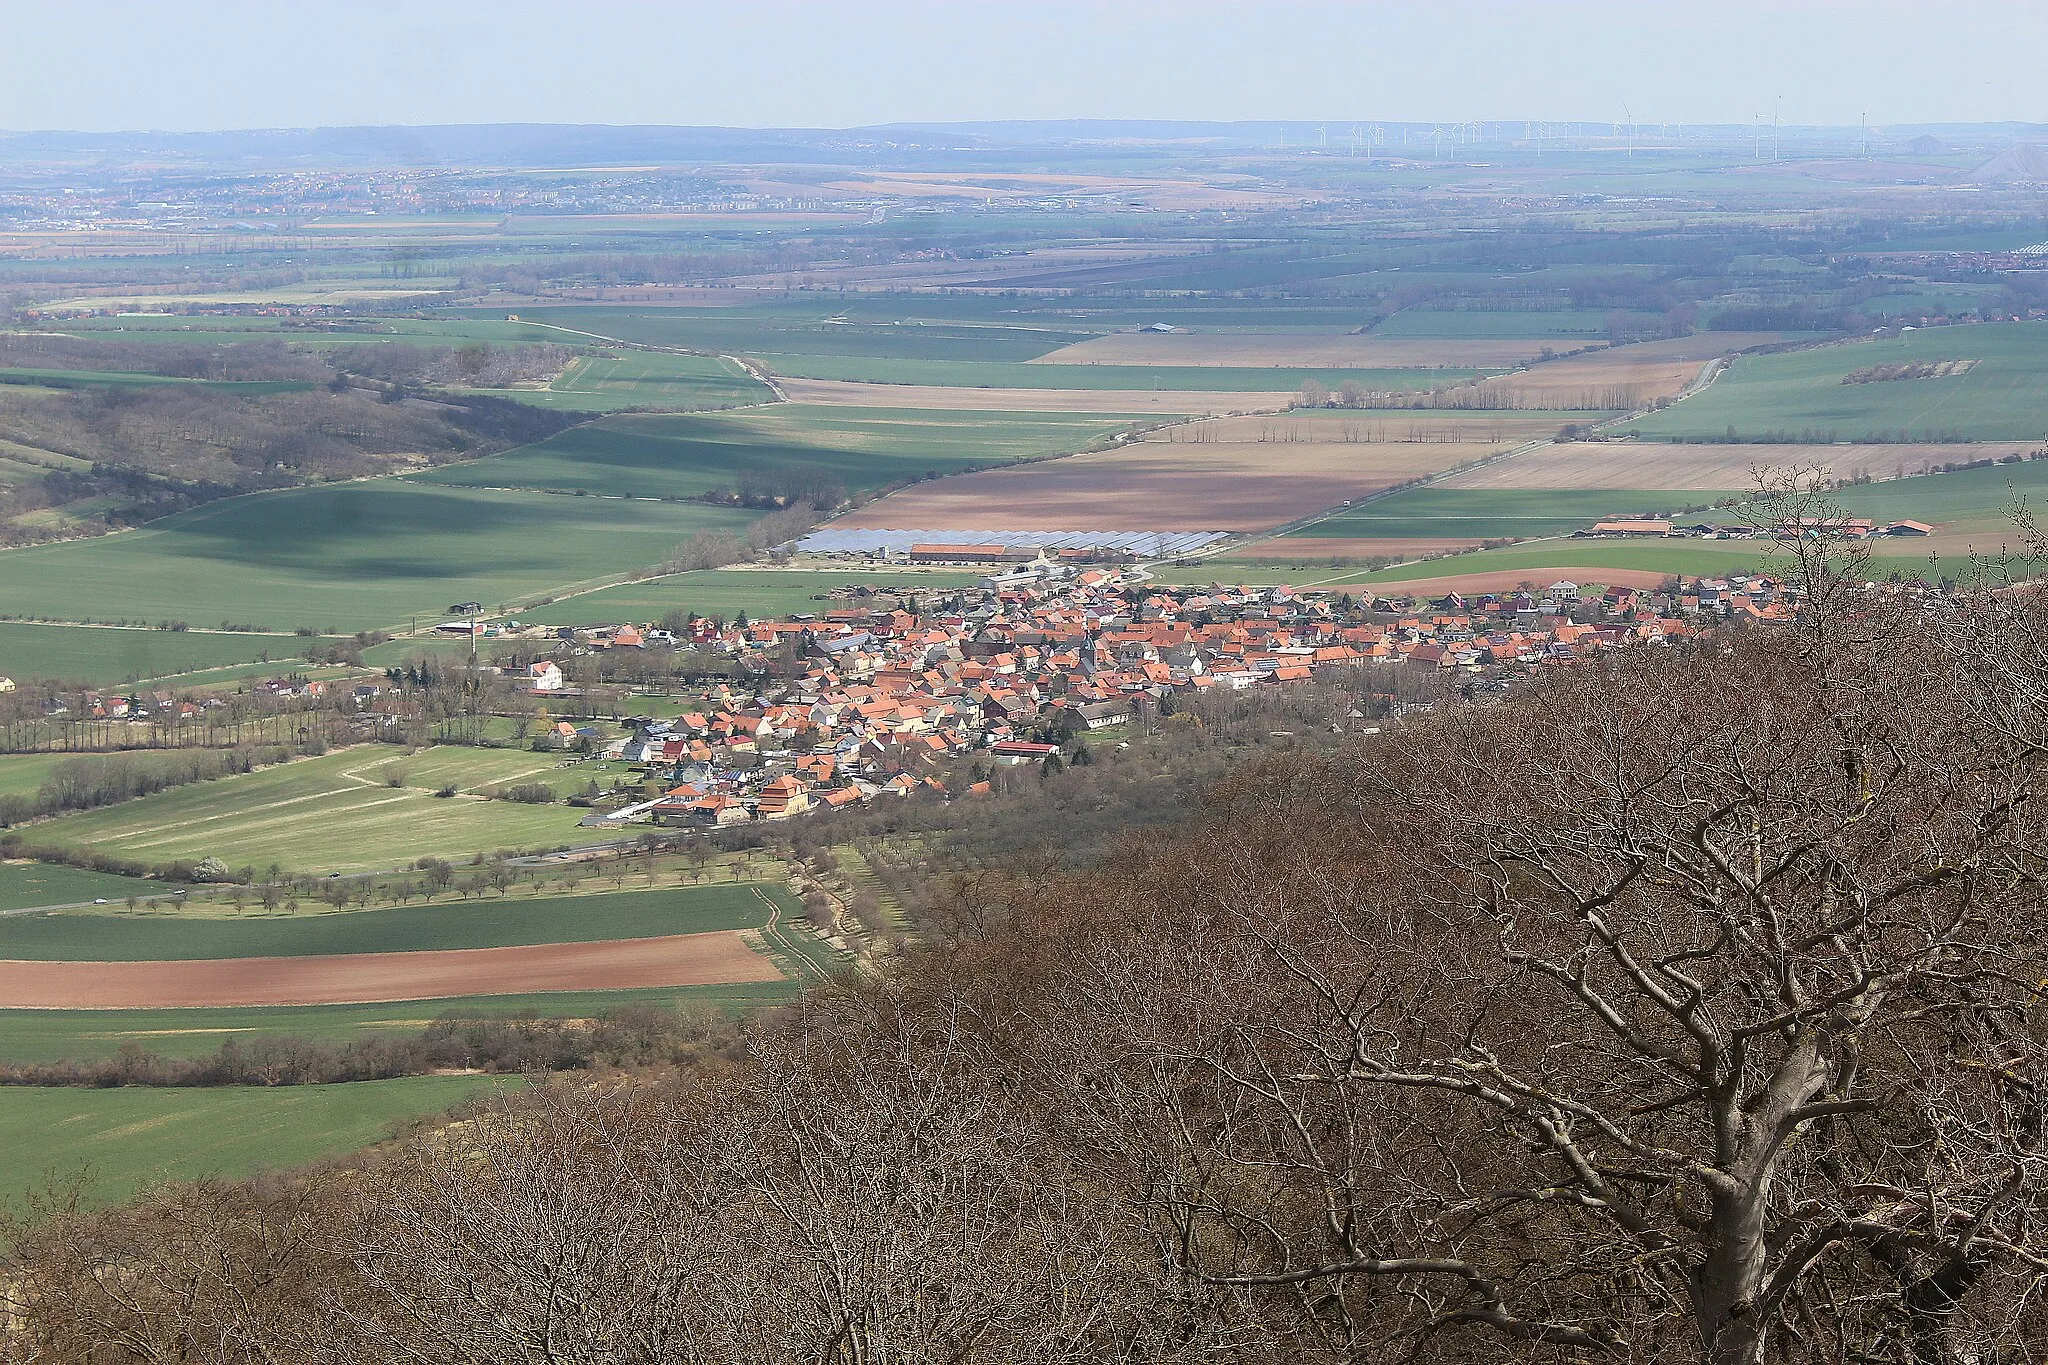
{"x": 104, "y": 65}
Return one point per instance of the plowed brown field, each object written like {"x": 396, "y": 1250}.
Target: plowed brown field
{"x": 720, "y": 958}
{"x": 1156, "y": 485}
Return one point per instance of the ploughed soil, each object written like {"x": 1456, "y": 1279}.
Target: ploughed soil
{"x": 719, "y": 958}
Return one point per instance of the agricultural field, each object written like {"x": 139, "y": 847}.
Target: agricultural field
{"x": 715, "y": 957}
{"x": 1293, "y": 350}
{"x": 808, "y": 329}
{"x": 1155, "y": 402}
{"x": 649, "y": 379}
{"x": 725, "y": 593}
{"x": 347, "y": 557}
{"x": 100, "y": 655}
{"x": 1564, "y": 328}
{"x": 1446, "y": 516}
{"x": 1242, "y": 474}
{"x": 862, "y": 449}
{"x": 115, "y": 1142}
{"x": 1135, "y": 375}
{"x": 117, "y": 379}
{"x": 28, "y": 1036}
{"x": 107, "y": 934}
{"x": 1802, "y": 396}
{"x": 1724, "y": 467}
{"x": 336, "y": 813}
{"x": 26, "y": 884}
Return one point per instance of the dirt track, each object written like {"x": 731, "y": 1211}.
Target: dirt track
{"x": 720, "y": 958}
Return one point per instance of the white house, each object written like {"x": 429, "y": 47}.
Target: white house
{"x": 545, "y": 676}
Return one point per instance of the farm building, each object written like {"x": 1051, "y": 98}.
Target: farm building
{"x": 970, "y": 554}
{"x": 1013, "y": 753}
{"x": 1631, "y": 528}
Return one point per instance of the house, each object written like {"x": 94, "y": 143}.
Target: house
{"x": 968, "y": 554}
{"x": 1097, "y": 715}
{"x": 782, "y": 798}
{"x": 1013, "y": 753}
{"x": 1564, "y": 590}
{"x": 6, "y": 684}
{"x": 545, "y": 676}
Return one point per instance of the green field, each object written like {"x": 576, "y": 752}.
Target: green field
{"x": 1571, "y": 327}
{"x": 1692, "y": 558}
{"x": 804, "y": 326}
{"x": 725, "y": 593}
{"x": 1489, "y": 514}
{"x": 318, "y": 931}
{"x": 99, "y": 655}
{"x": 346, "y": 557}
{"x": 2004, "y": 397}
{"x": 654, "y": 380}
{"x": 123, "y": 379}
{"x": 24, "y": 884}
{"x": 863, "y": 448}
{"x": 120, "y": 1141}
{"x": 30, "y": 1036}
{"x": 972, "y": 374}
{"x": 335, "y": 813}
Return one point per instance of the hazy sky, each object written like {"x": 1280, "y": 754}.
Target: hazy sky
{"x": 115, "y": 64}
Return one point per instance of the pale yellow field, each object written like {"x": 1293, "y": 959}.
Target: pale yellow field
{"x": 1293, "y": 350}
{"x": 844, "y": 393}
{"x": 1717, "y": 467}
{"x": 1623, "y": 378}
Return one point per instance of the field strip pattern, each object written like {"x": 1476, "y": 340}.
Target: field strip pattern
{"x": 149, "y": 836}
{"x": 719, "y": 957}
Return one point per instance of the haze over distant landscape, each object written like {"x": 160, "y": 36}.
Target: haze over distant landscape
{"x": 835, "y": 64}
{"x": 1162, "y": 684}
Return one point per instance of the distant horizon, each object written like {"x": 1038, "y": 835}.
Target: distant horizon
{"x": 247, "y": 65}
{"x": 1307, "y": 125}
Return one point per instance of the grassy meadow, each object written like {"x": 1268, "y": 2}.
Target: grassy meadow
{"x": 335, "y": 813}
{"x": 346, "y": 557}
{"x": 115, "y": 1142}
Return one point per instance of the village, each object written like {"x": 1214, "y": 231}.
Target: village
{"x": 878, "y": 701}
